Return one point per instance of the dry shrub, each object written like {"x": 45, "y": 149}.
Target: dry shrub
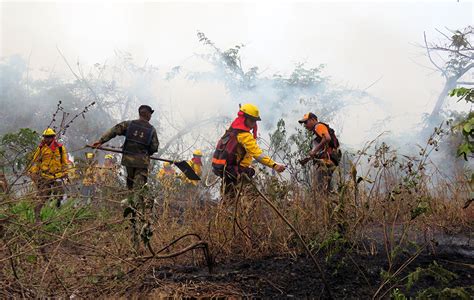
{"x": 86, "y": 251}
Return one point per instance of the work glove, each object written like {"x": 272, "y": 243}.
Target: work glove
{"x": 279, "y": 168}
{"x": 96, "y": 144}
{"x": 304, "y": 160}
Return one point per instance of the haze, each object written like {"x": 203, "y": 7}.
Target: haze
{"x": 363, "y": 45}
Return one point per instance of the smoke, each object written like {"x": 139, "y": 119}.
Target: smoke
{"x": 373, "y": 77}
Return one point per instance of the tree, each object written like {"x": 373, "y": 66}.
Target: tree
{"x": 303, "y": 89}
{"x": 116, "y": 88}
{"x": 453, "y": 58}
{"x": 466, "y": 125}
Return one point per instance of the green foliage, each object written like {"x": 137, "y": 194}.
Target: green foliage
{"x": 278, "y": 139}
{"x": 458, "y": 51}
{"x": 23, "y": 211}
{"x": 289, "y": 149}
{"x": 421, "y": 208}
{"x": 305, "y": 85}
{"x": 16, "y": 149}
{"x": 228, "y": 62}
{"x": 435, "y": 271}
{"x": 56, "y": 219}
{"x": 454, "y": 293}
{"x": 146, "y": 233}
{"x": 441, "y": 276}
{"x": 444, "y": 294}
{"x": 463, "y": 94}
{"x": 397, "y": 295}
{"x": 303, "y": 77}
{"x": 466, "y": 125}
{"x": 333, "y": 244}
{"x": 276, "y": 189}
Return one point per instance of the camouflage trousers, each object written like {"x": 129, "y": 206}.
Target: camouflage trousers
{"x": 322, "y": 177}
{"x": 140, "y": 211}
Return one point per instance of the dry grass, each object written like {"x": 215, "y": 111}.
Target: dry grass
{"x": 87, "y": 251}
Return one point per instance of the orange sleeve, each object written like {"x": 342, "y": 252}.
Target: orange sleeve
{"x": 321, "y": 130}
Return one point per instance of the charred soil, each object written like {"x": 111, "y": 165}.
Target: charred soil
{"x": 351, "y": 275}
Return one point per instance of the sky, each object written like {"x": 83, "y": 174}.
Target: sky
{"x": 362, "y": 44}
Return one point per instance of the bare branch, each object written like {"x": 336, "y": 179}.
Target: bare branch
{"x": 431, "y": 59}
{"x": 465, "y": 83}
{"x": 373, "y": 83}
{"x": 443, "y": 34}
{"x": 458, "y": 52}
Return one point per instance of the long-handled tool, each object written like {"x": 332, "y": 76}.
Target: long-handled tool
{"x": 182, "y": 165}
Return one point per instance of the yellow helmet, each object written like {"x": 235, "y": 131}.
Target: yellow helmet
{"x": 250, "y": 111}
{"x": 109, "y": 156}
{"x": 197, "y": 152}
{"x": 166, "y": 164}
{"x": 49, "y": 132}
{"x": 89, "y": 155}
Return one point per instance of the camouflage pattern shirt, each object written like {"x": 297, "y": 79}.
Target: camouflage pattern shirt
{"x": 141, "y": 141}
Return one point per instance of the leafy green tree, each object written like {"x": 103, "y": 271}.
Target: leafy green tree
{"x": 305, "y": 88}
{"x": 466, "y": 125}
{"x": 16, "y": 149}
{"x": 452, "y": 57}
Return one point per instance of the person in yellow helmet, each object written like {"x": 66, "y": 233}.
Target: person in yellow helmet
{"x": 168, "y": 182}
{"x": 166, "y": 172}
{"x": 71, "y": 170}
{"x": 238, "y": 147}
{"x": 108, "y": 177}
{"x": 90, "y": 178}
{"x": 48, "y": 169}
{"x": 196, "y": 165}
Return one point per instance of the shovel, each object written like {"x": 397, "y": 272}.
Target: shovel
{"x": 182, "y": 165}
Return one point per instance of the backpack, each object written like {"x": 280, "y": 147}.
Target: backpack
{"x": 225, "y": 155}
{"x": 334, "y": 143}
{"x": 336, "y": 154}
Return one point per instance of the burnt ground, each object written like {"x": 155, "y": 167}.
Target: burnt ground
{"x": 351, "y": 275}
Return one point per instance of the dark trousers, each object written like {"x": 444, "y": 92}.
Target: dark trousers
{"x": 232, "y": 181}
{"x": 48, "y": 189}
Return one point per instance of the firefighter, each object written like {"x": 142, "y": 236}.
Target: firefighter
{"x": 237, "y": 149}
{"x": 90, "y": 178}
{"x": 165, "y": 172}
{"x": 48, "y": 169}
{"x": 141, "y": 141}
{"x": 324, "y": 151}
{"x": 196, "y": 164}
{"x": 109, "y": 176}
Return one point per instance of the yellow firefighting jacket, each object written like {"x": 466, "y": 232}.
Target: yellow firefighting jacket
{"x": 197, "y": 169}
{"x": 165, "y": 173}
{"x": 252, "y": 151}
{"x": 108, "y": 175}
{"x": 91, "y": 175}
{"x": 49, "y": 164}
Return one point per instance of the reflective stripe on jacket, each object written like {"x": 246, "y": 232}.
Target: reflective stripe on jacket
{"x": 252, "y": 151}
